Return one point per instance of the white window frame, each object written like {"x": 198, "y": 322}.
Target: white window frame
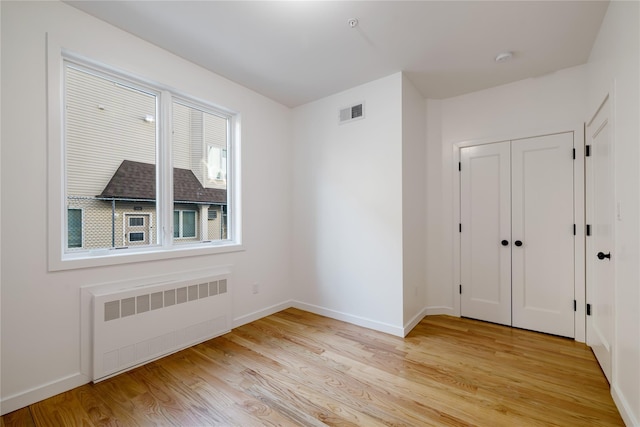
{"x": 60, "y": 258}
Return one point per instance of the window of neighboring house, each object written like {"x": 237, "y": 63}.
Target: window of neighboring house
{"x": 137, "y": 236}
{"x": 74, "y": 228}
{"x": 113, "y": 136}
{"x": 136, "y": 222}
{"x": 184, "y": 224}
{"x": 217, "y": 163}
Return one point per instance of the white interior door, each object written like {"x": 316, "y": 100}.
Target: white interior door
{"x": 600, "y": 217}
{"x": 485, "y": 214}
{"x": 542, "y": 222}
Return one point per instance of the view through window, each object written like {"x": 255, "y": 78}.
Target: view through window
{"x": 112, "y": 147}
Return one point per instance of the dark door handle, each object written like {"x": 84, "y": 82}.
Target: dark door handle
{"x": 518, "y": 243}
{"x": 505, "y": 243}
{"x": 602, "y": 255}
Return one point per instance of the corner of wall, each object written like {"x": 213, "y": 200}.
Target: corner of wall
{"x": 413, "y": 200}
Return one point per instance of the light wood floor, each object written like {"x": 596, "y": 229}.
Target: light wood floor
{"x": 298, "y": 369}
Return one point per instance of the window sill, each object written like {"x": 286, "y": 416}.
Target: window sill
{"x": 108, "y": 257}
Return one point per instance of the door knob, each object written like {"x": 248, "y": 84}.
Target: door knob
{"x": 518, "y": 243}
{"x": 602, "y": 255}
{"x": 505, "y": 243}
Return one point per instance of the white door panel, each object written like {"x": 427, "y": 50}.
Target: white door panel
{"x": 542, "y": 219}
{"x": 600, "y": 215}
{"x": 485, "y": 206}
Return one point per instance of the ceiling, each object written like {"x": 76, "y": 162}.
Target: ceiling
{"x": 298, "y": 51}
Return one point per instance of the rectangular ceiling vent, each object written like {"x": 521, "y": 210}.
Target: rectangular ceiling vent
{"x": 349, "y": 114}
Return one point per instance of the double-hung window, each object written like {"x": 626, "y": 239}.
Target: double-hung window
{"x": 145, "y": 168}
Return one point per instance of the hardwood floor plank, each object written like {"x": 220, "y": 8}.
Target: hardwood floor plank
{"x": 61, "y": 410}
{"x": 350, "y": 389}
{"x": 20, "y": 418}
{"x": 295, "y": 392}
{"x": 298, "y": 369}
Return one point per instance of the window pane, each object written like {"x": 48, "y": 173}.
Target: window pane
{"x": 136, "y": 222}
{"x": 110, "y": 137}
{"x": 188, "y": 224}
{"x": 136, "y": 237}
{"x": 200, "y": 160}
{"x": 74, "y": 228}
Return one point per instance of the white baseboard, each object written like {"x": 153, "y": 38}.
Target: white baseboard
{"x": 434, "y": 311}
{"x": 413, "y": 322}
{"x": 36, "y": 394}
{"x": 256, "y": 315}
{"x": 350, "y": 318}
{"x": 625, "y": 410}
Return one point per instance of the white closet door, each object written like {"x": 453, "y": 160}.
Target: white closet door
{"x": 542, "y": 220}
{"x": 485, "y": 215}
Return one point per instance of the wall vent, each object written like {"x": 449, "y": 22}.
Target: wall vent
{"x": 133, "y": 326}
{"x": 351, "y": 113}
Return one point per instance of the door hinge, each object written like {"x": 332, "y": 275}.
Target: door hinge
{"x": 588, "y": 309}
{"x": 574, "y": 229}
{"x": 459, "y": 228}
{"x": 587, "y": 151}
{"x": 459, "y": 166}
{"x": 574, "y": 154}
{"x": 575, "y": 305}
{"x": 460, "y": 290}
{"x": 588, "y": 229}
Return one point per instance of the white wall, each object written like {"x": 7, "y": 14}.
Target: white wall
{"x": 439, "y": 290}
{"x": 347, "y": 207}
{"x": 414, "y": 212}
{"x": 524, "y": 108}
{"x": 40, "y": 309}
{"x": 614, "y": 62}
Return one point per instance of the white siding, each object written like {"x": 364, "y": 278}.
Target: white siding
{"x": 105, "y": 125}
{"x": 181, "y": 129}
{"x": 197, "y": 165}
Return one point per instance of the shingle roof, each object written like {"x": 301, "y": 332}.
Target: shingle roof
{"x": 135, "y": 180}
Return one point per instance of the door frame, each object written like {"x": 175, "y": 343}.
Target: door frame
{"x": 578, "y": 130}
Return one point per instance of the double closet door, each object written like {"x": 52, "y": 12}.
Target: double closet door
{"x": 517, "y": 233}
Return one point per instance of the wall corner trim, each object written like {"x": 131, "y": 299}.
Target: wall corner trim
{"x": 440, "y": 310}
{"x": 350, "y": 318}
{"x": 623, "y": 406}
{"x": 408, "y": 327}
{"x": 256, "y": 315}
{"x": 36, "y": 394}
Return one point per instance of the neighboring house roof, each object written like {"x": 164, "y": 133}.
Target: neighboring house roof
{"x": 135, "y": 180}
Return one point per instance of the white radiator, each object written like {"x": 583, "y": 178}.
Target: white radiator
{"x": 134, "y": 325}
